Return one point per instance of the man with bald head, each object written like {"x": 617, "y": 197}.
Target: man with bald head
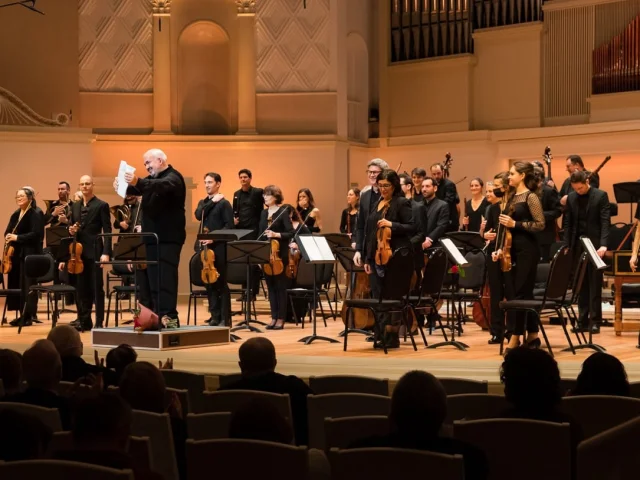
{"x": 90, "y": 218}
{"x": 163, "y": 213}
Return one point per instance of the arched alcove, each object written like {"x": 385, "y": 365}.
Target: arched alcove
{"x": 357, "y": 87}
{"x": 203, "y": 80}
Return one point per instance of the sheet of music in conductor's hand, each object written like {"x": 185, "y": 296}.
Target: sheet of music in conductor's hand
{"x": 122, "y": 183}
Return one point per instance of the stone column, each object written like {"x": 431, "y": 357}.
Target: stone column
{"x": 161, "y": 66}
{"x": 246, "y": 67}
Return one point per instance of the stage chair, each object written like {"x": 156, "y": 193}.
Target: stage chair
{"x": 208, "y": 426}
{"x": 245, "y": 459}
{"x": 194, "y": 383}
{"x": 635, "y": 389}
{"x": 61, "y": 470}
{"x": 430, "y": 289}
{"x": 304, "y": 289}
{"x": 227, "y": 379}
{"x": 49, "y": 416}
{"x": 343, "y": 432}
{"x": 157, "y": 427}
{"x": 7, "y": 292}
{"x": 195, "y": 280}
{"x": 237, "y": 275}
{"x": 381, "y": 463}
{"x": 459, "y": 386}
{"x": 597, "y": 413}
{"x": 504, "y": 442}
{"x": 553, "y": 298}
{"x": 120, "y": 290}
{"x": 68, "y": 389}
{"x": 474, "y": 406}
{"x": 340, "y": 405}
{"x": 394, "y": 295}
{"x": 611, "y": 455}
{"x": 349, "y": 384}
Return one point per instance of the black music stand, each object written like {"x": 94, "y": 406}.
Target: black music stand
{"x": 337, "y": 240}
{"x": 455, "y": 257}
{"x": 345, "y": 257}
{"x": 225, "y": 236}
{"x": 627, "y": 192}
{"x": 54, "y": 237}
{"x": 249, "y": 253}
{"x": 130, "y": 249}
{"x": 316, "y": 251}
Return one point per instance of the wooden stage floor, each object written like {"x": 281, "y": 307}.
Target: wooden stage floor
{"x": 481, "y": 361}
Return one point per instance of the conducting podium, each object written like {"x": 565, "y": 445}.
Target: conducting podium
{"x": 316, "y": 251}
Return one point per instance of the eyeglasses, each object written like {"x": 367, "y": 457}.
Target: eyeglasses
{"x": 18, "y": 197}
{"x": 373, "y": 172}
{"x": 85, "y": 184}
{"x": 384, "y": 185}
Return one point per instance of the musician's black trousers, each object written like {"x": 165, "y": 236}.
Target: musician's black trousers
{"x": 220, "y": 298}
{"x": 277, "y": 285}
{"x": 499, "y": 281}
{"x": 590, "y": 300}
{"x": 525, "y": 256}
{"x": 90, "y": 288}
{"x": 169, "y": 257}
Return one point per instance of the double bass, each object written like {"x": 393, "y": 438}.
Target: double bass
{"x": 446, "y": 171}
{"x": 547, "y": 159}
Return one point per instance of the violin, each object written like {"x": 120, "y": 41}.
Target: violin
{"x": 383, "y": 235}
{"x": 209, "y": 273}
{"x": 294, "y": 261}
{"x": 275, "y": 265}
{"x": 75, "y": 265}
{"x": 504, "y": 241}
{"x": 6, "y": 258}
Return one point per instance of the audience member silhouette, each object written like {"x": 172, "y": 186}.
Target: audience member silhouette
{"x": 101, "y": 427}
{"x": 42, "y": 370}
{"x": 602, "y": 374}
{"x": 22, "y": 437}
{"x": 118, "y": 359}
{"x": 418, "y": 410}
{"x": 257, "y": 364}
{"x": 10, "y": 371}
{"x": 69, "y": 345}
{"x": 143, "y": 387}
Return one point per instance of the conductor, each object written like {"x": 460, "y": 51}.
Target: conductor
{"x": 163, "y": 195}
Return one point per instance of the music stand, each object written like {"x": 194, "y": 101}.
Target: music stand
{"x": 248, "y": 253}
{"x": 627, "y": 192}
{"x": 54, "y": 235}
{"x": 225, "y": 236}
{"x": 335, "y": 241}
{"x": 130, "y": 249}
{"x": 316, "y": 251}
{"x": 456, "y": 258}
{"x": 345, "y": 257}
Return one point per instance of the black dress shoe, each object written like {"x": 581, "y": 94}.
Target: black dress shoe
{"x": 16, "y": 322}
{"x": 494, "y": 340}
{"x": 534, "y": 344}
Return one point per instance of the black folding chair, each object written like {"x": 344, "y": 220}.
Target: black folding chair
{"x": 195, "y": 280}
{"x": 554, "y": 297}
{"x": 304, "y": 289}
{"x": 394, "y": 294}
{"x": 6, "y": 293}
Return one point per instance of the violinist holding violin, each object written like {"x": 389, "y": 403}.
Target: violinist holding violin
{"x": 216, "y": 213}
{"x": 276, "y": 227}
{"x": 393, "y": 212}
{"x": 22, "y": 237}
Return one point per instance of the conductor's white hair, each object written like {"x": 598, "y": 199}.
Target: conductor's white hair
{"x": 378, "y": 162}
{"x": 157, "y": 154}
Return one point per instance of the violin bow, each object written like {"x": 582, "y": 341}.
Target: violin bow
{"x": 274, "y": 220}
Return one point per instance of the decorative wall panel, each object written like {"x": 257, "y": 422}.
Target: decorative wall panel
{"x": 115, "y": 42}
{"x": 292, "y": 46}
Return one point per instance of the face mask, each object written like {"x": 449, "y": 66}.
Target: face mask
{"x": 498, "y": 192}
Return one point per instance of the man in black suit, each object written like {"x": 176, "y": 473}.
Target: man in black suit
{"x": 90, "y": 218}
{"x": 575, "y": 164}
{"x": 552, "y": 211}
{"x": 163, "y": 212}
{"x": 57, "y": 216}
{"x": 588, "y": 215}
{"x": 369, "y": 198}
{"x": 419, "y": 216}
{"x": 437, "y": 220}
{"x": 216, "y": 216}
{"x": 448, "y": 192}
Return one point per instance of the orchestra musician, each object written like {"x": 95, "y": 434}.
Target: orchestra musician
{"x": 575, "y": 164}
{"x": 498, "y": 280}
{"x": 393, "y": 211}
{"x": 57, "y": 216}
{"x": 163, "y": 203}
{"x": 125, "y": 214}
{"x": 448, "y": 192}
{"x": 419, "y": 215}
{"x": 587, "y": 214}
{"x": 213, "y": 216}
{"x": 436, "y": 221}
{"x": 300, "y": 305}
{"x": 248, "y": 203}
{"x": 24, "y": 232}
{"x": 524, "y": 218}
{"x": 475, "y": 208}
{"x": 417, "y": 175}
{"x": 552, "y": 211}
{"x": 89, "y": 218}
{"x": 349, "y": 218}
{"x": 275, "y": 225}
{"x": 308, "y": 211}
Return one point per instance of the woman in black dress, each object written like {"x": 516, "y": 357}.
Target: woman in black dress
{"x": 349, "y": 217}
{"x": 299, "y": 304}
{"x": 393, "y": 211}
{"x": 24, "y": 233}
{"x": 475, "y": 208}
{"x": 275, "y": 225}
{"x": 307, "y": 210}
{"x": 523, "y": 217}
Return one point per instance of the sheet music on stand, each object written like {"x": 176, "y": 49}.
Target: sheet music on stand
{"x": 315, "y": 249}
{"x": 595, "y": 259}
{"x": 453, "y": 252}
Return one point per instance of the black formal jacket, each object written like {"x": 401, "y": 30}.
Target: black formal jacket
{"x": 217, "y": 216}
{"x": 598, "y": 219}
{"x": 50, "y": 219}
{"x": 552, "y": 211}
{"x": 363, "y": 219}
{"x": 402, "y": 227}
{"x": 163, "y": 200}
{"x": 250, "y": 217}
{"x": 447, "y": 191}
{"x": 419, "y": 215}
{"x": 438, "y": 220}
{"x": 97, "y": 221}
{"x": 282, "y": 225}
{"x": 30, "y": 232}
{"x": 566, "y": 188}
